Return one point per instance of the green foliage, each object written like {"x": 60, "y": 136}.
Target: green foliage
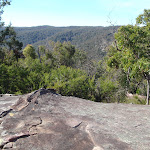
{"x": 110, "y": 86}
{"x": 29, "y": 52}
{"x": 68, "y": 81}
{"x": 64, "y": 53}
{"x": 9, "y": 58}
{"x": 17, "y": 79}
{"x": 79, "y": 59}
{"x": 106, "y": 89}
{"x": 2, "y": 56}
{"x": 13, "y": 79}
{"x": 131, "y": 50}
{"x": 9, "y": 42}
{"x": 3, "y": 78}
{"x": 144, "y": 18}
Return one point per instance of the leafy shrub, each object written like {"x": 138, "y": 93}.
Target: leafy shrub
{"x": 68, "y": 81}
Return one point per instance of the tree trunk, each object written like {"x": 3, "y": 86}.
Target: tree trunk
{"x": 128, "y": 80}
{"x": 148, "y": 85}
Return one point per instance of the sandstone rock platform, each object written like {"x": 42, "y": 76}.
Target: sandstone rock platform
{"x": 44, "y": 120}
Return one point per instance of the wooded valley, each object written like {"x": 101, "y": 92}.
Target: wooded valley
{"x": 93, "y": 40}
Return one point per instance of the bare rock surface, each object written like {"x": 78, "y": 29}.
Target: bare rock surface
{"x": 43, "y": 120}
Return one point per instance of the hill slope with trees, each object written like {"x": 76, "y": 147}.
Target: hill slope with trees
{"x": 93, "y": 40}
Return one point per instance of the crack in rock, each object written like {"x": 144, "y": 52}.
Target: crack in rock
{"x": 77, "y": 125}
{"x": 5, "y": 113}
{"x": 15, "y": 137}
{"x": 35, "y": 125}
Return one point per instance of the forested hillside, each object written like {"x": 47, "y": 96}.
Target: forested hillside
{"x": 93, "y": 40}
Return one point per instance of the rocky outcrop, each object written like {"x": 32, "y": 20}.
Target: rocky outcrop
{"x": 43, "y": 120}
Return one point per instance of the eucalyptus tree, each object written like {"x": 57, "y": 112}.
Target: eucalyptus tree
{"x": 64, "y": 53}
{"x": 3, "y": 3}
{"x": 131, "y": 49}
{"x": 10, "y": 42}
{"x": 8, "y": 38}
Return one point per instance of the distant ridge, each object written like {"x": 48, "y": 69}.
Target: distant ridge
{"x": 91, "y": 39}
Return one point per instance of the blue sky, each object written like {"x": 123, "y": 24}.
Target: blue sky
{"x": 73, "y": 12}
